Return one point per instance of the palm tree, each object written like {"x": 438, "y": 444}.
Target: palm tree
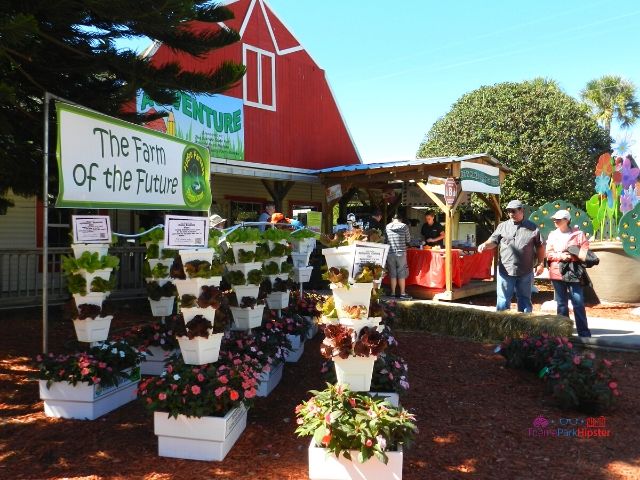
{"x": 612, "y": 97}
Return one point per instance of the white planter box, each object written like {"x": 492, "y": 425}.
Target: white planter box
{"x": 194, "y": 285}
{"x": 272, "y": 244}
{"x": 245, "y": 268}
{"x": 246, "y": 291}
{"x": 93, "y": 329}
{"x": 191, "y": 255}
{"x": 301, "y": 259}
{"x": 359, "y": 324}
{"x": 91, "y": 298}
{"x": 282, "y": 276}
{"x": 303, "y": 245}
{"x": 84, "y": 401}
{"x": 356, "y": 294}
{"x": 167, "y": 262}
{"x": 162, "y": 307}
{"x": 355, "y": 372}
{"x": 392, "y": 397}
{"x": 154, "y": 362}
{"x": 200, "y": 350}
{"x": 103, "y": 273}
{"x": 247, "y": 318}
{"x": 205, "y": 438}
{"x": 302, "y": 275}
{"x": 340, "y": 257}
{"x": 246, "y": 246}
{"x": 269, "y": 381}
{"x": 278, "y": 300}
{"x": 208, "y": 312}
{"x": 325, "y": 466}
{"x": 297, "y": 348}
{"x": 80, "y": 248}
{"x": 278, "y": 260}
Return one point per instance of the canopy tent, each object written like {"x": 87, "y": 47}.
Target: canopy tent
{"x": 386, "y": 175}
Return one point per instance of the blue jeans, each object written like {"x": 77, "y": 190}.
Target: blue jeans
{"x": 572, "y": 291}
{"x": 507, "y": 284}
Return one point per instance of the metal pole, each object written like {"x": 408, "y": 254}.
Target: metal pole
{"x": 45, "y": 226}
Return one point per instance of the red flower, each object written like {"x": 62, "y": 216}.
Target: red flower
{"x": 195, "y": 389}
{"x": 234, "y": 395}
{"x": 326, "y": 439}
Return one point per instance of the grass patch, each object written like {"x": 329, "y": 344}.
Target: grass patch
{"x": 477, "y": 324}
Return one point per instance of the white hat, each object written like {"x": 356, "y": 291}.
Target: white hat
{"x": 216, "y": 220}
{"x": 561, "y": 214}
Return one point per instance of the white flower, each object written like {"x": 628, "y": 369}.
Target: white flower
{"x": 114, "y": 351}
{"x": 121, "y": 353}
{"x": 176, "y": 377}
{"x": 381, "y": 441}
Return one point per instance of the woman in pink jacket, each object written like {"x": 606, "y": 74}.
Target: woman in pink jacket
{"x": 559, "y": 240}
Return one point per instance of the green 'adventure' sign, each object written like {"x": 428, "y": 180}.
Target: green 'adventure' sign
{"x": 104, "y": 162}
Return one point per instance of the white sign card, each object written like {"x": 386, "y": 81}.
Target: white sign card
{"x": 334, "y": 192}
{"x": 186, "y": 232}
{"x": 91, "y": 228}
{"x": 369, "y": 252}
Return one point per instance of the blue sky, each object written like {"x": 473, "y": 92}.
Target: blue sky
{"x": 396, "y": 67}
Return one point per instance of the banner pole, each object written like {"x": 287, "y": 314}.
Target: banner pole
{"x": 45, "y": 226}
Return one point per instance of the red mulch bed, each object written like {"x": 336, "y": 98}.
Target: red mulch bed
{"x": 473, "y": 416}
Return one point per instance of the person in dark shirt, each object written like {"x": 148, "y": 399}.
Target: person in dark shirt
{"x": 376, "y": 221}
{"x": 432, "y": 232}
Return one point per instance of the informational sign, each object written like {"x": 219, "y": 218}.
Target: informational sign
{"x": 314, "y": 221}
{"x": 450, "y": 191}
{"x": 369, "y": 252}
{"x": 414, "y": 196}
{"x": 334, "y": 192}
{"x": 476, "y": 177}
{"x": 214, "y": 121}
{"x": 104, "y": 162}
{"x": 91, "y": 228}
{"x": 436, "y": 185}
{"x": 186, "y": 232}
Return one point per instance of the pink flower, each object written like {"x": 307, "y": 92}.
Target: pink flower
{"x": 569, "y": 344}
{"x": 369, "y": 442}
{"x": 169, "y": 368}
{"x": 102, "y": 365}
{"x": 85, "y": 371}
{"x": 352, "y": 402}
{"x": 95, "y": 380}
{"x": 201, "y": 377}
{"x": 250, "y": 393}
{"x": 223, "y": 379}
{"x": 162, "y": 396}
{"x": 613, "y": 385}
{"x": 174, "y": 387}
{"x": 607, "y": 362}
{"x": 219, "y": 391}
{"x": 195, "y": 389}
{"x": 299, "y": 421}
{"x": 577, "y": 360}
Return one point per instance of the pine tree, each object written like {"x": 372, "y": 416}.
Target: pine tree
{"x": 68, "y": 48}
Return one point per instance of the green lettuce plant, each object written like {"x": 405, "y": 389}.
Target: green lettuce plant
{"x": 244, "y": 235}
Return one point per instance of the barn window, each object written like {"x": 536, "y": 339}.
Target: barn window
{"x": 259, "y": 83}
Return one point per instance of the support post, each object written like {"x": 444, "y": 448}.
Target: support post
{"x": 45, "y": 226}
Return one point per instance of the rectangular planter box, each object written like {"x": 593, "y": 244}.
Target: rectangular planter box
{"x": 323, "y": 466}
{"x": 269, "y": 381}
{"x": 93, "y": 329}
{"x": 155, "y": 364}
{"x": 297, "y": 348}
{"x": 84, "y": 401}
{"x": 205, "y": 438}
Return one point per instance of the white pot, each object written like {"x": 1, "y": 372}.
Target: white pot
{"x": 312, "y": 327}
{"x": 93, "y": 329}
{"x": 193, "y": 286}
{"x": 278, "y": 260}
{"x": 162, "y": 307}
{"x": 269, "y": 380}
{"x": 302, "y": 275}
{"x": 300, "y": 259}
{"x": 340, "y": 257}
{"x": 246, "y": 291}
{"x": 282, "y": 276}
{"x": 246, "y": 246}
{"x": 204, "y": 438}
{"x": 297, "y": 348}
{"x": 355, "y": 372}
{"x": 278, "y": 300}
{"x": 160, "y": 281}
{"x": 84, "y": 401}
{"x": 356, "y": 294}
{"x": 272, "y": 243}
{"x": 245, "y": 268}
{"x": 200, "y": 350}
{"x": 201, "y": 254}
{"x": 359, "y": 324}
{"x": 104, "y": 273}
{"x": 80, "y": 248}
{"x": 188, "y": 313}
{"x": 167, "y": 262}
{"x": 155, "y": 360}
{"x": 326, "y": 466}
{"x": 247, "y": 318}
{"x": 303, "y": 245}
{"x": 392, "y": 397}
{"x": 91, "y": 298}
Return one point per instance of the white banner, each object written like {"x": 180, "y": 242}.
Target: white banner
{"x": 476, "y": 177}
{"x": 104, "y": 162}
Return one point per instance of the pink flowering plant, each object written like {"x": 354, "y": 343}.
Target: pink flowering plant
{"x": 197, "y": 391}
{"x": 343, "y": 421}
{"x": 107, "y": 364}
{"x": 154, "y": 334}
{"x": 305, "y": 305}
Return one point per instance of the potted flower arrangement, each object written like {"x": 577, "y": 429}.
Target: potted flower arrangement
{"x": 206, "y": 304}
{"x": 243, "y": 238}
{"x": 354, "y": 436}
{"x": 278, "y": 294}
{"x": 156, "y": 341}
{"x": 161, "y": 295}
{"x": 248, "y": 312}
{"x": 199, "y": 412}
{"x": 86, "y": 385}
{"x": 199, "y": 340}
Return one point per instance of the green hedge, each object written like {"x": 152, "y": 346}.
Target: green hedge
{"x": 478, "y": 324}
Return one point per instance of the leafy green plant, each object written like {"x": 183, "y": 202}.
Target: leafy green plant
{"x": 341, "y": 421}
{"x": 280, "y": 250}
{"x": 244, "y": 235}
{"x": 188, "y": 301}
{"x": 160, "y": 271}
{"x": 303, "y": 233}
{"x": 169, "y": 253}
{"x": 327, "y": 308}
{"x": 77, "y": 284}
{"x": 153, "y": 251}
{"x": 286, "y": 267}
{"x": 246, "y": 256}
{"x": 156, "y": 292}
{"x": 101, "y": 285}
{"x": 254, "y": 277}
{"x": 262, "y": 252}
{"x": 227, "y": 257}
{"x": 337, "y": 276}
{"x": 198, "y": 269}
{"x": 369, "y": 272}
{"x": 276, "y": 234}
{"x": 271, "y": 268}
{"x": 154, "y": 236}
{"x": 89, "y": 262}
{"x": 235, "y": 277}
{"x": 217, "y": 268}
{"x": 341, "y": 341}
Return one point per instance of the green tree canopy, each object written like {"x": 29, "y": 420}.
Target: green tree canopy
{"x": 611, "y": 97}
{"x": 545, "y": 136}
{"x": 69, "y": 49}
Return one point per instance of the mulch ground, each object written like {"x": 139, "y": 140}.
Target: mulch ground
{"x": 473, "y": 414}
